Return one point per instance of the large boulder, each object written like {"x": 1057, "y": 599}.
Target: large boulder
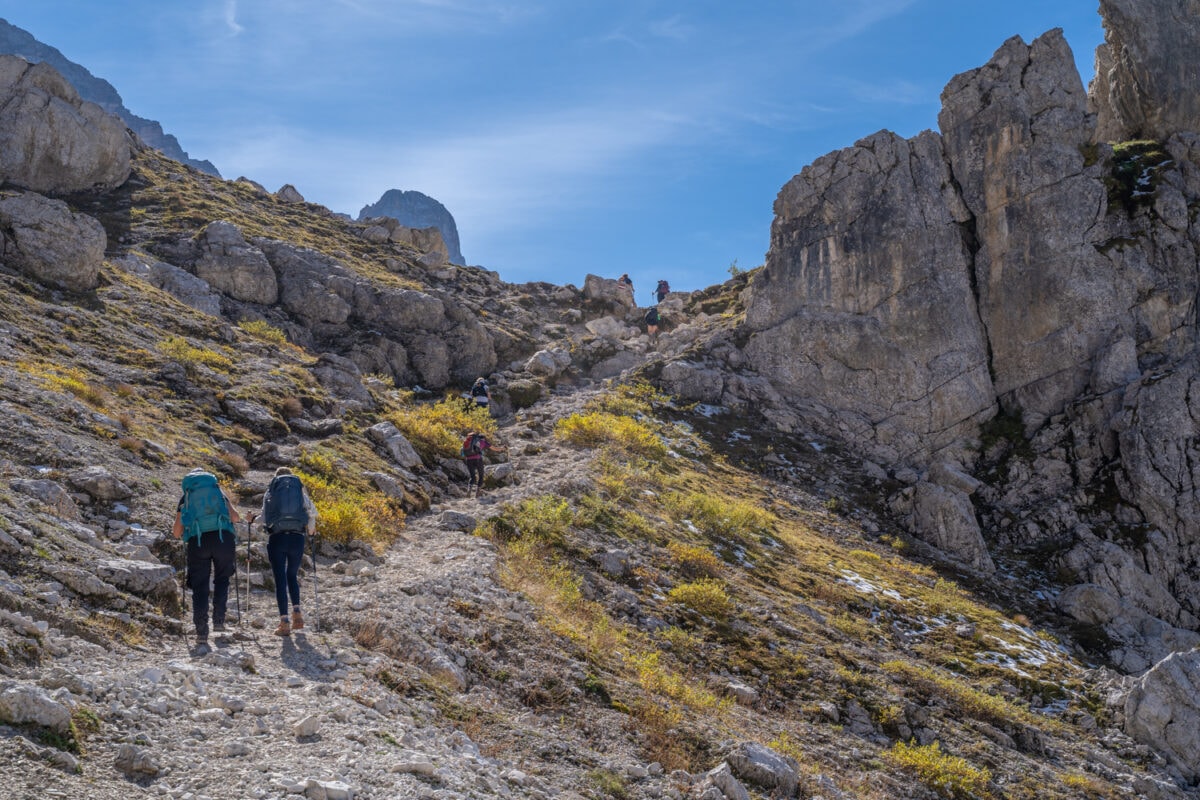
{"x": 313, "y": 287}
{"x": 234, "y": 267}
{"x": 23, "y": 704}
{"x": 47, "y": 241}
{"x": 175, "y": 281}
{"x": 139, "y": 577}
{"x": 607, "y": 293}
{"x": 1146, "y": 84}
{"x": 864, "y": 242}
{"x": 1163, "y": 711}
{"x": 51, "y": 140}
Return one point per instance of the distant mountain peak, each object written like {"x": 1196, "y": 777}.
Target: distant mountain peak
{"x": 417, "y": 210}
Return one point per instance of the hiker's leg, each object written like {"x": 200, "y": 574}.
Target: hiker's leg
{"x": 295, "y": 554}
{"x": 277, "y": 555}
{"x": 199, "y": 566}
{"x": 475, "y": 471}
{"x": 224, "y": 557}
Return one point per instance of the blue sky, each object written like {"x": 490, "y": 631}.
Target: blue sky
{"x": 566, "y": 136}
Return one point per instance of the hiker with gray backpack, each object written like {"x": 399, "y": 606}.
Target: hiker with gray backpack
{"x": 204, "y": 520}
{"x": 288, "y": 515}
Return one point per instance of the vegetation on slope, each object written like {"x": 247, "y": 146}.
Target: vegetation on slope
{"x": 865, "y": 665}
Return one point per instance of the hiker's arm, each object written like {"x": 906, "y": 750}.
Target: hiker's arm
{"x": 234, "y": 516}
{"x": 177, "y": 527}
{"x": 311, "y": 509}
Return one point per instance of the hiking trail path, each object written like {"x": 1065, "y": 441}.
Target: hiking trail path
{"x": 319, "y": 715}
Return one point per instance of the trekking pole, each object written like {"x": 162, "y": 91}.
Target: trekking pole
{"x": 249, "y": 536}
{"x": 183, "y": 590}
{"x": 316, "y": 599}
{"x": 237, "y": 584}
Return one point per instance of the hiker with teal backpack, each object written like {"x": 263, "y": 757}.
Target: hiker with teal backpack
{"x": 288, "y": 515}
{"x": 204, "y": 520}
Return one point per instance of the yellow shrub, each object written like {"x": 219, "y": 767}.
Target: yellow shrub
{"x": 345, "y": 514}
{"x": 695, "y": 562}
{"x": 605, "y": 429}
{"x": 438, "y": 429}
{"x": 705, "y": 596}
{"x": 721, "y": 516}
{"x": 950, "y": 776}
{"x": 538, "y": 520}
{"x": 179, "y": 349}
{"x": 261, "y": 329}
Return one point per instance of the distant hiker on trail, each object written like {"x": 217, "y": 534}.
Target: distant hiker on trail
{"x": 626, "y": 281}
{"x": 204, "y": 520}
{"x": 481, "y": 393}
{"x": 288, "y": 514}
{"x": 473, "y": 448}
{"x": 662, "y": 290}
{"x": 652, "y": 322}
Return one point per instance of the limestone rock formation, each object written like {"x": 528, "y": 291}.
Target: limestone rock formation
{"x": 21, "y": 43}
{"x": 1015, "y": 132}
{"x": 52, "y": 141}
{"x": 415, "y": 210}
{"x": 1012, "y": 297}
{"x": 229, "y": 264}
{"x": 44, "y": 239}
{"x": 1162, "y": 710}
{"x": 864, "y": 241}
{"x": 1145, "y": 84}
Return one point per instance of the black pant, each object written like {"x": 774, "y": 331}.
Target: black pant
{"x": 211, "y": 554}
{"x": 285, "y": 551}
{"x": 475, "y": 471}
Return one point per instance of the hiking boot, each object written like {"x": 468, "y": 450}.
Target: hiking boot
{"x": 201, "y": 640}
{"x": 218, "y": 627}
{"x": 297, "y": 621}
{"x": 284, "y": 628}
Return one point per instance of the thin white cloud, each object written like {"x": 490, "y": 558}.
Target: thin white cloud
{"x": 862, "y": 15}
{"x": 516, "y": 175}
{"x": 673, "y": 28}
{"x": 231, "y": 13}
{"x": 892, "y": 92}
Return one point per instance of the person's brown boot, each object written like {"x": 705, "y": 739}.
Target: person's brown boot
{"x": 297, "y": 621}
{"x": 284, "y": 628}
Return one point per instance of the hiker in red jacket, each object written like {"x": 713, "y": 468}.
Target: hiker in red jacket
{"x": 472, "y": 452}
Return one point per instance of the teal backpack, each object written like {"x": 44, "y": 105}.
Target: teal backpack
{"x": 203, "y": 507}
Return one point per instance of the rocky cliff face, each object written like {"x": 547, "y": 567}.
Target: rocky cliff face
{"x": 15, "y": 41}
{"x": 1005, "y": 311}
{"x": 416, "y": 210}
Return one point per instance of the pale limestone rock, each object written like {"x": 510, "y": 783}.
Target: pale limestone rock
{"x": 47, "y": 241}
{"x": 1016, "y": 131}
{"x": 289, "y": 194}
{"x": 944, "y": 517}
{"x": 179, "y": 283}
{"x": 607, "y": 292}
{"x": 22, "y": 703}
{"x": 863, "y": 239}
{"x": 50, "y": 494}
{"x": 1163, "y": 711}
{"x": 51, "y": 140}
{"x": 398, "y": 448}
{"x": 99, "y": 483}
{"x": 231, "y": 265}
{"x": 1146, "y": 85}
{"x": 762, "y": 766}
